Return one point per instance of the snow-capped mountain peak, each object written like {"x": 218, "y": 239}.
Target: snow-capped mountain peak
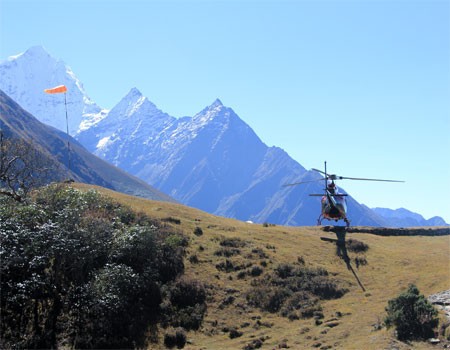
{"x": 134, "y": 93}
{"x": 216, "y": 112}
{"x": 24, "y": 77}
{"x": 130, "y": 126}
{"x": 216, "y": 103}
{"x": 137, "y": 107}
{"x": 129, "y": 104}
{"x": 37, "y": 52}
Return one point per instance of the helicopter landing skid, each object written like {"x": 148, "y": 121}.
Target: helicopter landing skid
{"x": 319, "y": 221}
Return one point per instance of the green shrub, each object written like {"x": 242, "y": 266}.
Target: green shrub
{"x": 254, "y": 344}
{"x": 81, "y": 270}
{"x": 180, "y": 338}
{"x": 301, "y": 304}
{"x": 234, "y": 333}
{"x": 190, "y": 317}
{"x": 176, "y": 240}
{"x": 268, "y": 298}
{"x": 233, "y": 242}
{"x": 198, "y": 231}
{"x": 356, "y": 246}
{"x": 184, "y": 304}
{"x": 412, "y": 315}
{"x": 227, "y": 252}
{"x": 267, "y": 224}
{"x": 170, "y": 340}
{"x": 176, "y": 338}
{"x": 226, "y": 266}
{"x": 193, "y": 259}
{"x": 187, "y": 292}
{"x": 293, "y": 290}
{"x": 172, "y": 220}
{"x": 241, "y": 274}
{"x": 256, "y": 271}
{"x": 284, "y": 270}
{"x": 259, "y": 254}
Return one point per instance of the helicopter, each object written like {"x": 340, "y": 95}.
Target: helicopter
{"x": 334, "y": 205}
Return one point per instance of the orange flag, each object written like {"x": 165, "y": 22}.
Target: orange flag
{"x": 56, "y": 89}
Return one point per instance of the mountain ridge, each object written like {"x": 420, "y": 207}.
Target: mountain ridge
{"x": 402, "y": 217}
{"x": 15, "y": 122}
{"x": 213, "y": 161}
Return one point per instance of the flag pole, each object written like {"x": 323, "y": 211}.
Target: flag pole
{"x": 67, "y": 131}
{"x": 57, "y": 90}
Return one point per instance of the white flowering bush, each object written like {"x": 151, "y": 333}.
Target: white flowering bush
{"x": 79, "y": 270}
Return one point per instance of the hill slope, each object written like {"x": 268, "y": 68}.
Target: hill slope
{"x": 16, "y": 122}
{"x": 213, "y": 161}
{"x": 350, "y": 322}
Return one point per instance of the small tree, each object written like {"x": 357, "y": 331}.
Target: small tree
{"x": 412, "y": 315}
{"x": 23, "y": 166}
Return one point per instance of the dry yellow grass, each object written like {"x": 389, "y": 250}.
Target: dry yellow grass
{"x": 393, "y": 263}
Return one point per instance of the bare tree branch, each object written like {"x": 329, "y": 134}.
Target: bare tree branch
{"x": 23, "y": 166}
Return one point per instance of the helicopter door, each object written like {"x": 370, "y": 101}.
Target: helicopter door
{"x": 341, "y": 204}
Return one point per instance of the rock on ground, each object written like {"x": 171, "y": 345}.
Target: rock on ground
{"x": 441, "y": 301}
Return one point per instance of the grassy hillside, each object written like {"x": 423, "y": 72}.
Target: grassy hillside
{"x": 353, "y": 321}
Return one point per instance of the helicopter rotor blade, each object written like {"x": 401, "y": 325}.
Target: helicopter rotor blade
{"x": 320, "y": 171}
{"x": 329, "y": 176}
{"x": 337, "y": 177}
{"x": 301, "y": 182}
{"x": 364, "y": 179}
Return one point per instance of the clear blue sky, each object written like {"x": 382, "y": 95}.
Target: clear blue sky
{"x": 364, "y": 85}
